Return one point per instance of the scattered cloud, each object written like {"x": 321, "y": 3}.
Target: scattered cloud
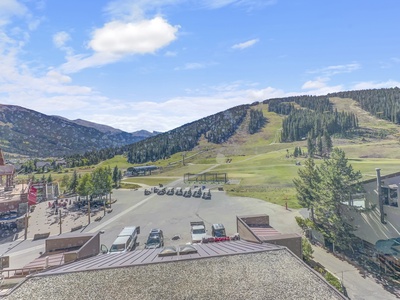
{"x": 319, "y": 86}
{"x": 191, "y": 66}
{"x": 10, "y": 9}
{"x": 248, "y": 4}
{"x": 60, "y": 38}
{"x": 245, "y": 45}
{"x": 338, "y": 69}
{"x": 375, "y": 85}
{"x": 171, "y": 53}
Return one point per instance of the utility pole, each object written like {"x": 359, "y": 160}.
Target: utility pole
{"x": 26, "y": 225}
{"x": 59, "y": 214}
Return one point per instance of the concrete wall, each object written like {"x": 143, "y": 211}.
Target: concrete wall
{"x": 245, "y": 232}
{"x": 90, "y": 248}
{"x": 255, "y": 220}
{"x": 292, "y": 241}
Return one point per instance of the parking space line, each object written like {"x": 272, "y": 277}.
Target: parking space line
{"x": 97, "y": 228}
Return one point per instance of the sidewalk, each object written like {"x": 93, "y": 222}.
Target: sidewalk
{"x": 43, "y": 220}
{"x": 357, "y": 286}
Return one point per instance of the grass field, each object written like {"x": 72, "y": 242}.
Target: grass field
{"x": 259, "y": 167}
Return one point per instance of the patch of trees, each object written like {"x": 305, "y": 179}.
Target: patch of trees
{"x": 92, "y": 157}
{"x": 257, "y": 120}
{"x": 382, "y": 103}
{"x": 285, "y": 106}
{"x": 217, "y": 128}
{"x": 95, "y": 184}
{"x": 301, "y": 122}
{"x": 323, "y": 190}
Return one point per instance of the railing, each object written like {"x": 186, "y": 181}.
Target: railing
{"x": 19, "y": 273}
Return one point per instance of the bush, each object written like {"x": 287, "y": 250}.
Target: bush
{"x": 333, "y": 280}
{"x": 304, "y": 223}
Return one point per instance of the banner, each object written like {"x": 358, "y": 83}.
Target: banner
{"x": 32, "y": 194}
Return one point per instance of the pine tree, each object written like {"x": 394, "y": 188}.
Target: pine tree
{"x": 338, "y": 181}
{"x": 319, "y": 145}
{"x": 74, "y": 182}
{"x": 327, "y": 141}
{"x": 307, "y": 185}
{"x": 115, "y": 176}
{"x": 310, "y": 146}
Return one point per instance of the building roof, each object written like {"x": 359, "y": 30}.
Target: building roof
{"x": 7, "y": 170}
{"x": 226, "y": 270}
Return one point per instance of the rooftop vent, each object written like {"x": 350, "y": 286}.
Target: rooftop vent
{"x": 168, "y": 251}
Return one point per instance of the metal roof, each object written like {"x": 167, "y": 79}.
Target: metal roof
{"x": 150, "y": 256}
{"x": 264, "y": 232}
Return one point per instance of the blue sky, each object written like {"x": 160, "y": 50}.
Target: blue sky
{"x": 158, "y": 64}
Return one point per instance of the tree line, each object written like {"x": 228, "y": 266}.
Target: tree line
{"x": 382, "y": 103}
{"x": 286, "y": 105}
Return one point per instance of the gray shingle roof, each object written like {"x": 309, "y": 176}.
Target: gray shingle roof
{"x": 268, "y": 274}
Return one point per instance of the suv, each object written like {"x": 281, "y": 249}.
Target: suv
{"x": 155, "y": 239}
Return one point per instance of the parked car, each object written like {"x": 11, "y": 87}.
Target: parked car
{"x": 178, "y": 191}
{"x": 126, "y": 240}
{"x": 155, "y": 239}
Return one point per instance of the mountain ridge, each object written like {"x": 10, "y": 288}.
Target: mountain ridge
{"x": 28, "y": 132}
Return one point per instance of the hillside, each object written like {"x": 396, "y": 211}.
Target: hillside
{"x": 27, "y": 132}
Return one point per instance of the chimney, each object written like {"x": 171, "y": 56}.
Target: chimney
{"x": 380, "y": 198}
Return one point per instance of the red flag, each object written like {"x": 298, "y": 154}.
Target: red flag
{"x": 32, "y": 195}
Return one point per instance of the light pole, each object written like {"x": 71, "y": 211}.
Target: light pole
{"x": 88, "y": 211}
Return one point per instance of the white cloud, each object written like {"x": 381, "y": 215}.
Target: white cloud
{"x": 9, "y": 9}
{"x": 375, "y": 85}
{"x": 337, "y": 69}
{"x": 117, "y": 39}
{"x": 60, "y": 38}
{"x": 246, "y": 44}
{"x": 320, "y": 87}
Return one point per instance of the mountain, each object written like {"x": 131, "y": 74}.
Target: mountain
{"x": 312, "y": 118}
{"x": 28, "y": 132}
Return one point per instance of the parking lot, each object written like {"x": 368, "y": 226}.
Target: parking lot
{"x": 170, "y": 213}
{"x": 173, "y": 215}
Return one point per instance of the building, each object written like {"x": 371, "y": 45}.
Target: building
{"x": 248, "y": 268}
{"x": 7, "y": 173}
{"x": 224, "y": 270}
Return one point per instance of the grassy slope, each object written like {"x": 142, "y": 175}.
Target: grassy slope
{"x": 259, "y": 166}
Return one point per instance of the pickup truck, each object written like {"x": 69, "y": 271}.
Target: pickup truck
{"x": 197, "y": 231}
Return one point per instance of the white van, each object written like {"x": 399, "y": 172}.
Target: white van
{"x": 126, "y": 240}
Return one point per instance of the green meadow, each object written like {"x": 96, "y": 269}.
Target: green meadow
{"x": 257, "y": 165}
